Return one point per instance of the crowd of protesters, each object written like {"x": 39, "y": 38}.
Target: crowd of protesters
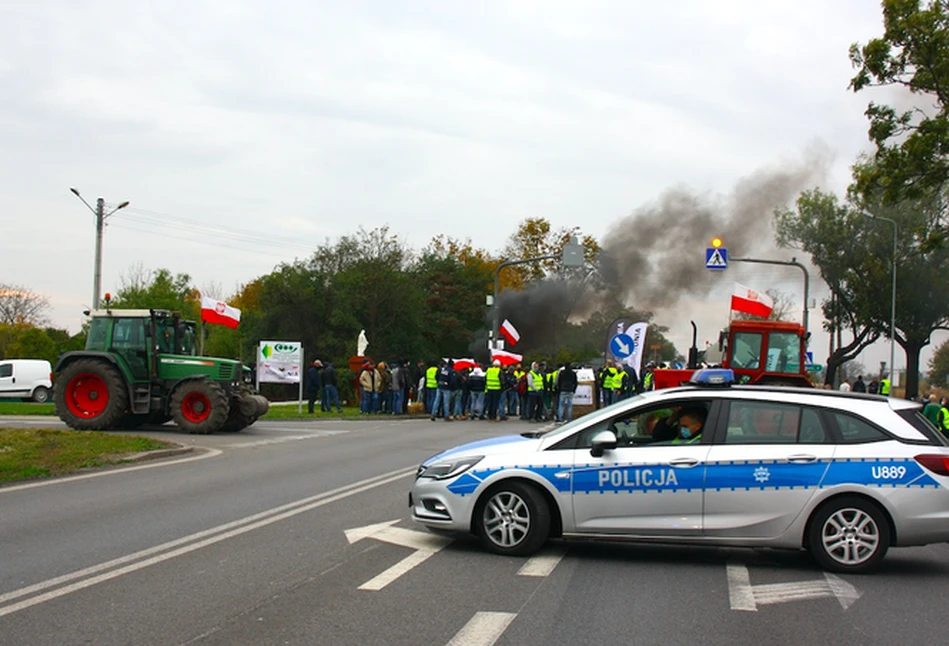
{"x": 468, "y": 391}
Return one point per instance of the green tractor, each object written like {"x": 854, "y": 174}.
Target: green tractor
{"x": 141, "y": 366}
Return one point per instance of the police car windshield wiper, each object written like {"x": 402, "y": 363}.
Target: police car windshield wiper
{"x": 534, "y": 434}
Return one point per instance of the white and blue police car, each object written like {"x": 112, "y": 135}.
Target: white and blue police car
{"x": 845, "y": 476}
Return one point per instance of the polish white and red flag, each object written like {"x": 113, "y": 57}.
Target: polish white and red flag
{"x": 750, "y": 301}
{"x": 509, "y": 332}
{"x": 506, "y": 358}
{"x": 219, "y": 312}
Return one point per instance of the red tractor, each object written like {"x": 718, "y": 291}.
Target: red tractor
{"x": 759, "y": 352}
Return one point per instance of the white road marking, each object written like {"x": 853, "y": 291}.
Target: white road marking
{"x": 744, "y": 596}
{"x": 483, "y": 629}
{"x": 846, "y": 594}
{"x": 425, "y": 545}
{"x": 542, "y": 564}
{"x": 380, "y": 581}
{"x": 740, "y": 593}
{"x": 84, "y": 578}
{"x": 209, "y": 453}
{"x": 280, "y": 440}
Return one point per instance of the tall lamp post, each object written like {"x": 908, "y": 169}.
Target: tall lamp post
{"x": 571, "y": 256}
{"x": 101, "y": 217}
{"x": 873, "y": 216}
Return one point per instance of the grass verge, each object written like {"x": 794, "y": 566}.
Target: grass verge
{"x": 10, "y": 407}
{"x": 28, "y": 454}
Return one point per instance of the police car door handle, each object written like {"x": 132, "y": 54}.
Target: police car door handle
{"x": 685, "y": 463}
{"x": 802, "y": 458}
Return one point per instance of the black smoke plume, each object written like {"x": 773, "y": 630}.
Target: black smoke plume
{"x": 656, "y": 255}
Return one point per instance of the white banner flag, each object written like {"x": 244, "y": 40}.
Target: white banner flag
{"x": 637, "y": 332}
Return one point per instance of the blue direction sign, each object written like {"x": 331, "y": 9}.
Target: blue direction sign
{"x": 622, "y": 345}
{"x": 716, "y": 258}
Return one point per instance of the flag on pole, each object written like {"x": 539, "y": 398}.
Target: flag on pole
{"x": 509, "y": 332}
{"x": 219, "y": 312}
{"x": 749, "y": 301}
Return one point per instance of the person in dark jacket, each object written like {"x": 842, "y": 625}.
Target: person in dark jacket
{"x": 442, "y": 391}
{"x": 456, "y": 387}
{"x": 476, "y": 383}
{"x": 567, "y": 387}
{"x": 330, "y": 389}
{"x": 313, "y": 384}
{"x": 859, "y": 386}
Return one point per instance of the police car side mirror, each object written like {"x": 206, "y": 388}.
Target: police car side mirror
{"x": 603, "y": 441}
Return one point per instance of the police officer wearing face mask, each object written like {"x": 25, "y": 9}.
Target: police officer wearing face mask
{"x": 691, "y": 421}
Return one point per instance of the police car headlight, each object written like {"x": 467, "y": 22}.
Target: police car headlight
{"x": 442, "y": 470}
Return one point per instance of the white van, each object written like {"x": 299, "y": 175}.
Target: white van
{"x": 26, "y": 378}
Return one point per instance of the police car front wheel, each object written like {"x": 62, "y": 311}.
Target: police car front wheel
{"x": 513, "y": 518}
{"x": 849, "y": 535}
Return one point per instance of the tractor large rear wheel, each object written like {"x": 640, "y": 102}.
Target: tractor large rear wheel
{"x": 199, "y": 406}
{"x": 90, "y": 394}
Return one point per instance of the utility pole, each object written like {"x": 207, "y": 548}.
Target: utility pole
{"x": 97, "y": 277}
{"x": 101, "y": 217}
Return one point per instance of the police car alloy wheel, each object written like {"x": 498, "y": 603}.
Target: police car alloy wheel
{"x": 850, "y": 535}
{"x": 513, "y": 518}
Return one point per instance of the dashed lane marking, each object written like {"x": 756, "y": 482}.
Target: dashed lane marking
{"x": 542, "y": 564}
{"x": 483, "y": 629}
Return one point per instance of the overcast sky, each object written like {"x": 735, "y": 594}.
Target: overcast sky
{"x": 245, "y": 133}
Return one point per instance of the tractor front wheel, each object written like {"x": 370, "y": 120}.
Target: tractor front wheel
{"x": 90, "y": 394}
{"x": 199, "y": 406}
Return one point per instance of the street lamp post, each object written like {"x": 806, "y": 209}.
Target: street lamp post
{"x": 873, "y": 216}
{"x": 101, "y": 217}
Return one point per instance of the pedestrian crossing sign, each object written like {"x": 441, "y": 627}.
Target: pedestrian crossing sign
{"x": 716, "y": 258}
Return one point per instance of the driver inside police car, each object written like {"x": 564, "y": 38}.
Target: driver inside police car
{"x": 691, "y": 422}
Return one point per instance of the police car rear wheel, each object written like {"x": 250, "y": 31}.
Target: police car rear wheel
{"x": 513, "y": 518}
{"x": 849, "y": 535}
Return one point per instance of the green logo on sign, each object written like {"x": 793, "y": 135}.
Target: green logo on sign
{"x": 283, "y": 347}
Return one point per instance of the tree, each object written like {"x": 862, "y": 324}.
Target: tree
{"x": 855, "y": 256}
{"x": 939, "y": 366}
{"x": 20, "y": 305}
{"x": 456, "y": 277}
{"x": 829, "y": 232}
{"x": 912, "y": 146}
{"x": 535, "y": 238}
{"x": 146, "y": 289}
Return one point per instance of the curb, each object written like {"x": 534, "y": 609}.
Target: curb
{"x": 158, "y": 454}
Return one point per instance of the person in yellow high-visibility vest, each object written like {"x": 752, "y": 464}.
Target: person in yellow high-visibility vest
{"x": 492, "y": 389}
{"x": 885, "y": 386}
{"x": 535, "y": 393}
{"x": 431, "y": 385}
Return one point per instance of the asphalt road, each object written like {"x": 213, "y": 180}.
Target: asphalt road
{"x": 298, "y": 533}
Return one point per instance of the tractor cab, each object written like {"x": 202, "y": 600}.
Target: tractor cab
{"x": 763, "y": 352}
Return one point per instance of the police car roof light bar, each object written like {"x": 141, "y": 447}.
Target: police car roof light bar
{"x": 713, "y": 378}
